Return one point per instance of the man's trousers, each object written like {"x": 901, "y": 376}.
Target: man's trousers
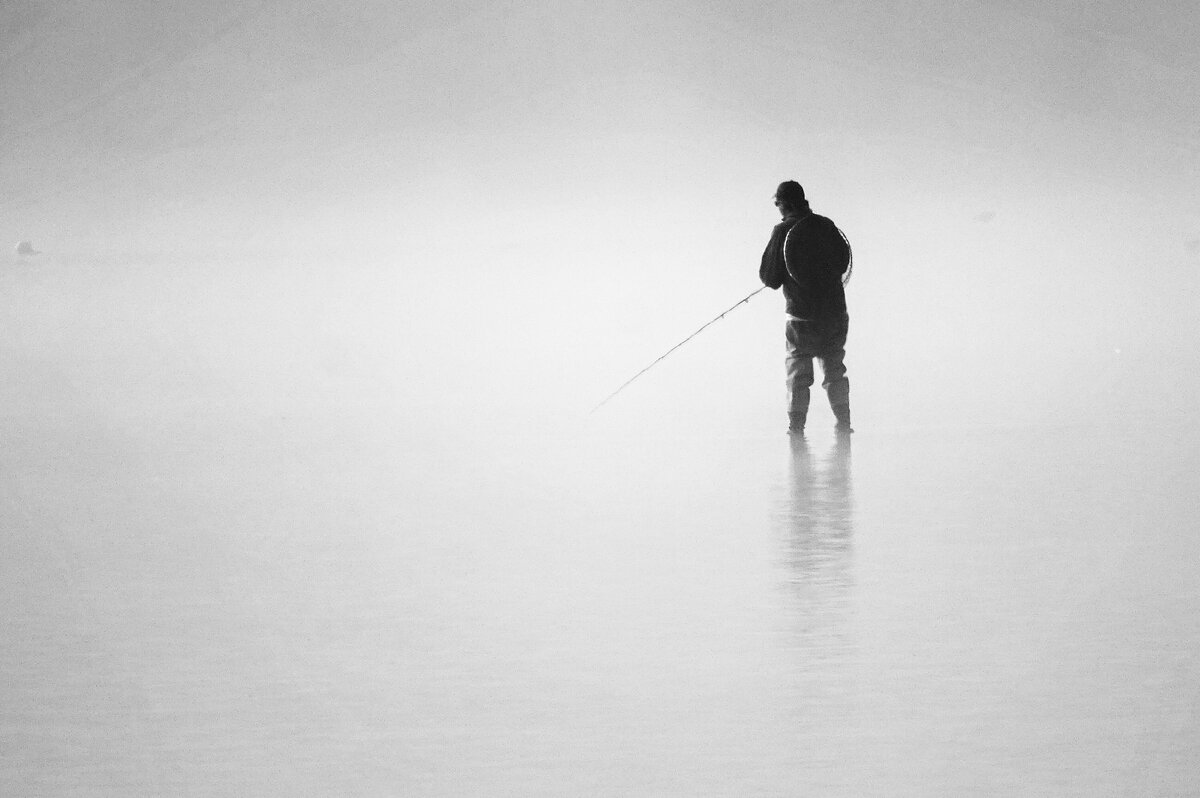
{"x": 827, "y": 343}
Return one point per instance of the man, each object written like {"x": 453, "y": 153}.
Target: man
{"x": 807, "y": 257}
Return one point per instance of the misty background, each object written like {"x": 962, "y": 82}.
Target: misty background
{"x": 299, "y": 489}
{"x": 486, "y": 207}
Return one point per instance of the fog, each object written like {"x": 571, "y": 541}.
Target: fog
{"x": 314, "y": 272}
{"x": 546, "y": 198}
{"x": 561, "y": 192}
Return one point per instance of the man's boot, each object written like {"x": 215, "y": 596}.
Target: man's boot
{"x": 842, "y": 413}
{"x": 839, "y": 402}
{"x": 796, "y": 423}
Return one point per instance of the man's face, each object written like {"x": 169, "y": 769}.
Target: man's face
{"x": 781, "y": 206}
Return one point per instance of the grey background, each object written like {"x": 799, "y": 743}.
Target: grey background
{"x": 299, "y": 493}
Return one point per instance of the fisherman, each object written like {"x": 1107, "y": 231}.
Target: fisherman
{"x": 805, "y": 257}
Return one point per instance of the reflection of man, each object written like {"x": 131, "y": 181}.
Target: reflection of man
{"x": 802, "y": 258}
{"x": 821, "y": 487}
{"x": 819, "y": 522}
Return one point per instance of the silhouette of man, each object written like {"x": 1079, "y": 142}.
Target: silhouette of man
{"x": 801, "y": 258}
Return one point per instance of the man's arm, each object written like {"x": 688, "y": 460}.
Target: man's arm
{"x": 772, "y": 271}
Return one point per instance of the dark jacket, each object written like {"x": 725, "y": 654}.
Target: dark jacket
{"x": 811, "y": 281}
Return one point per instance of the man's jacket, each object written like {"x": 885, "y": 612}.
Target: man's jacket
{"x": 811, "y": 281}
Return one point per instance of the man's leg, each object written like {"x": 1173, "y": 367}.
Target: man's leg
{"x": 837, "y": 387}
{"x": 799, "y": 376}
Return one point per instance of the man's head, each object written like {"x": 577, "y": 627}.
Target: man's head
{"x": 789, "y": 198}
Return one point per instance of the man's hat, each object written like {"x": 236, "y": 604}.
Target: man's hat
{"x": 790, "y": 192}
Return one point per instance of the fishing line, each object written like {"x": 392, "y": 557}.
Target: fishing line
{"x": 672, "y": 349}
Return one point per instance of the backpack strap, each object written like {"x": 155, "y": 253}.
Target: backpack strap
{"x": 784, "y": 249}
{"x": 849, "y": 256}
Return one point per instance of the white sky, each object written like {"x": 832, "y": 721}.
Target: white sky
{"x": 590, "y": 181}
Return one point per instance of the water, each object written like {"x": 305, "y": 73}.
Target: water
{"x": 217, "y": 604}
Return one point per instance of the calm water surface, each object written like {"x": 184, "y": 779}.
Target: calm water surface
{"x": 305, "y": 606}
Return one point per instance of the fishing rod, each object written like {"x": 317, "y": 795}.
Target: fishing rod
{"x": 672, "y": 349}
